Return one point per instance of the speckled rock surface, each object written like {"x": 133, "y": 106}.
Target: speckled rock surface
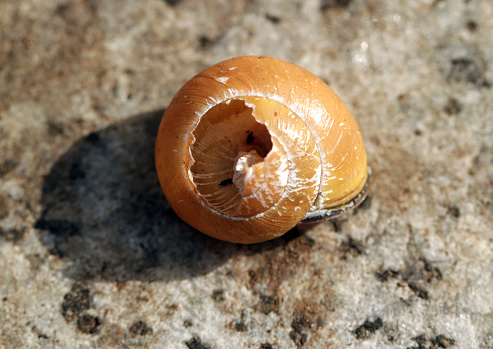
{"x": 91, "y": 255}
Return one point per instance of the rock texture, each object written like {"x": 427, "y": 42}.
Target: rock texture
{"x": 91, "y": 255}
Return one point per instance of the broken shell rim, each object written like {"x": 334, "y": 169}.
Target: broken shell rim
{"x": 323, "y": 215}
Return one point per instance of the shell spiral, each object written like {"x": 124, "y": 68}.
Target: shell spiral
{"x": 250, "y": 146}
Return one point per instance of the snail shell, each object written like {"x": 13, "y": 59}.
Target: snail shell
{"x": 253, "y": 145}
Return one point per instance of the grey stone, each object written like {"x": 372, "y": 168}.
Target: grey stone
{"x": 91, "y": 254}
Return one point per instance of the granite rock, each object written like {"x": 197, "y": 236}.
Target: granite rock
{"x": 91, "y": 254}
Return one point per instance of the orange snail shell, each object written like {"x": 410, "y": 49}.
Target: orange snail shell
{"x": 253, "y": 145}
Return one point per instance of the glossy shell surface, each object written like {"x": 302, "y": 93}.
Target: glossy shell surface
{"x": 252, "y": 145}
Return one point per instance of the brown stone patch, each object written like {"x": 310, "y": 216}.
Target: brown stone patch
{"x": 89, "y": 324}
{"x": 368, "y": 328}
{"x": 140, "y": 328}
{"x": 307, "y": 318}
{"x": 196, "y": 343}
{"x": 351, "y": 248}
{"x": 76, "y": 301}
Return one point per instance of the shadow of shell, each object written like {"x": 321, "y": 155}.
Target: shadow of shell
{"x": 103, "y": 211}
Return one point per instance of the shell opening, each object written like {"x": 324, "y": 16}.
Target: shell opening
{"x": 228, "y": 155}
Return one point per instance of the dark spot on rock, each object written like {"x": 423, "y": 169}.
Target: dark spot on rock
{"x": 472, "y": 25}
{"x": 406, "y": 302}
{"x": 453, "y": 107}
{"x": 75, "y": 301}
{"x": 58, "y": 227}
{"x": 89, "y": 324}
{"x": 13, "y": 234}
{"x": 171, "y": 309}
{"x": 205, "y": 42}
{"x": 298, "y": 338}
{"x": 273, "y": 19}
{"x": 431, "y": 272}
{"x": 240, "y": 326}
{"x": 454, "y": 211}
{"x": 420, "y": 292}
{"x": 7, "y": 166}
{"x": 404, "y": 101}
{"x": 467, "y": 70}
{"x": 390, "y": 332}
{"x": 416, "y": 273}
{"x": 300, "y": 324}
{"x": 418, "y": 132}
{"x": 62, "y": 9}
{"x": 187, "y": 323}
{"x": 385, "y": 275}
{"x": 439, "y": 341}
{"x": 195, "y": 343}
{"x": 330, "y": 4}
{"x": 226, "y": 182}
{"x": 173, "y": 2}
{"x": 56, "y": 251}
{"x": 351, "y": 247}
{"x": 368, "y": 328}
{"x": 218, "y": 295}
{"x": 54, "y": 129}
{"x": 250, "y": 138}
{"x": 266, "y": 346}
{"x": 482, "y": 161}
{"x": 268, "y": 304}
{"x": 139, "y": 328}
{"x": 253, "y": 277}
{"x": 420, "y": 341}
{"x": 442, "y": 341}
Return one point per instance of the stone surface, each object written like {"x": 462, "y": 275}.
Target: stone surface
{"x": 91, "y": 255}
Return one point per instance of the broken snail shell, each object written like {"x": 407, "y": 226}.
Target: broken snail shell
{"x": 253, "y": 145}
